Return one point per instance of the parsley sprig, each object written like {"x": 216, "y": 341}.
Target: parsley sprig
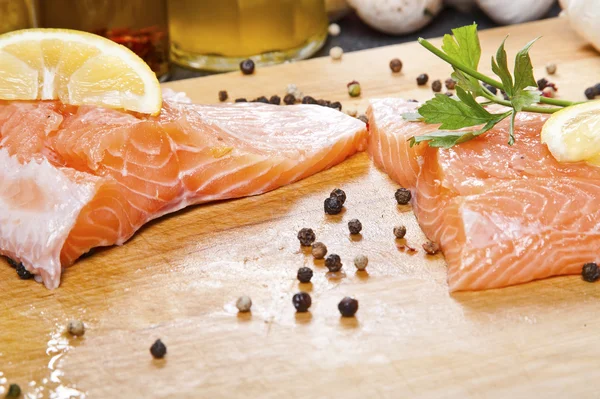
{"x": 462, "y": 50}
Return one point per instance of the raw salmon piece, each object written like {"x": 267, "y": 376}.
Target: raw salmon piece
{"x": 73, "y": 178}
{"x": 502, "y": 214}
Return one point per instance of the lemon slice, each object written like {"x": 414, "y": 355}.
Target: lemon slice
{"x": 77, "y": 68}
{"x": 573, "y": 133}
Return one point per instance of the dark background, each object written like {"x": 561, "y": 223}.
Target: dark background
{"x": 355, "y": 35}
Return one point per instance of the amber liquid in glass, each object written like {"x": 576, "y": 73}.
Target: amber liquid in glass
{"x": 218, "y": 34}
{"x": 15, "y": 14}
{"x": 140, "y": 25}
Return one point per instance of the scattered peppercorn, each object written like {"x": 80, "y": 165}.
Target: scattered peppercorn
{"x": 422, "y": 79}
{"x": 333, "y": 206}
{"x": 302, "y": 301}
{"x": 306, "y": 237}
{"x": 323, "y": 103}
{"x": 450, "y": 84}
{"x": 449, "y": 93}
{"x": 348, "y": 307}
{"x": 590, "y": 272}
{"x": 319, "y": 250}
{"x": 339, "y": 194}
{"x": 542, "y": 83}
{"x": 244, "y": 304}
{"x": 411, "y": 100}
{"x": 261, "y": 99}
{"x": 504, "y": 95}
{"x": 23, "y": 273}
{"x": 336, "y": 53}
{"x": 223, "y": 96}
{"x": 590, "y": 93}
{"x": 12, "y": 263}
{"x": 355, "y": 226}
{"x": 596, "y": 88}
{"x": 241, "y": 100}
{"x": 308, "y": 100}
{"x": 361, "y": 262}
{"x": 276, "y": 100}
{"x": 247, "y": 67}
{"x": 548, "y": 92}
{"x": 353, "y": 88}
{"x": 396, "y": 65}
{"x": 363, "y": 118}
{"x": 76, "y": 328}
{"x": 436, "y": 86}
{"x": 335, "y": 105}
{"x": 403, "y": 196}
{"x": 158, "y": 349}
{"x": 334, "y": 29}
{"x": 14, "y": 391}
{"x": 289, "y": 99}
{"x": 491, "y": 88}
{"x": 399, "y": 231}
{"x": 551, "y": 69}
{"x": 305, "y": 274}
{"x": 333, "y": 263}
{"x": 431, "y": 247}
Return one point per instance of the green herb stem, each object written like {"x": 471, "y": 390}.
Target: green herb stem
{"x": 543, "y": 110}
{"x": 492, "y": 82}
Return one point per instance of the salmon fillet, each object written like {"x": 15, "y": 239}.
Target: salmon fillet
{"x": 503, "y": 215}
{"x": 74, "y": 178}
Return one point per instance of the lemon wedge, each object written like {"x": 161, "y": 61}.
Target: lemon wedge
{"x": 573, "y": 133}
{"x": 77, "y": 68}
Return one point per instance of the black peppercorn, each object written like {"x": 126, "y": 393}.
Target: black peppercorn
{"x": 275, "y": 100}
{"x": 590, "y": 272}
{"x": 363, "y": 118}
{"x": 23, "y": 273}
{"x": 261, "y": 99}
{"x": 450, "y": 84}
{"x": 403, "y": 196}
{"x": 436, "y": 86}
{"x": 308, "y": 100}
{"x": 241, "y": 100}
{"x": 289, "y": 99}
{"x": 449, "y": 94}
{"x": 319, "y": 250}
{"x": 14, "y": 391}
{"x": 247, "y": 67}
{"x": 491, "y": 88}
{"x": 306, "y": 237}
{"x": 348, "y": 307}
{"x": 333, "y": 206}
{"x": 305, "y": 274}
{"x": 422, "y": 79}
{"x": 333, "y": 263}
{"x": 596, "y": 88}
{"x": 396, "y": 65}
{"x": 590, "y": 93}
{"x": 355, "y": 226}
{"x": 411, "y": 100}
{"x": 339, "y": 194}
{"x": 542, "y": 83}
{"x": 399, "y": 231}
{"x": 323, "y": 103}
{"x": 158, "y": 349}
{"x": 302, "y": 301}
{"x": 223, "y": 96}
{"x": 335, "y": 105}
{"x": 12, "y": 263}
{"x": 431, "y": 247}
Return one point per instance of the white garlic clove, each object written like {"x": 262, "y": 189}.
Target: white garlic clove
{"x": 508, "y": 12}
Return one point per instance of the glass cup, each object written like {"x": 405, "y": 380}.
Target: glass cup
{"x": 216, "y": 35}
{"x": 15, "y": 14}
{"x": 140, "y": 25}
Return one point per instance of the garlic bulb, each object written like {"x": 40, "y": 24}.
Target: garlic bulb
{"x": 508, "y": 12}
{"x": 583, "y": 15}
{"x": 396, "y": 17}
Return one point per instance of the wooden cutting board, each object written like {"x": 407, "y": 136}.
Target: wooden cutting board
{"x": 179, "y": 277}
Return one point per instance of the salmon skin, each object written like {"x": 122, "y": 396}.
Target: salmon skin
{"x": 503, "y": 215}
{"x": 74, "y": 178}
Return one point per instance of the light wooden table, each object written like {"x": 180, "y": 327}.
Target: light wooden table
{"x": 179, "y": 277}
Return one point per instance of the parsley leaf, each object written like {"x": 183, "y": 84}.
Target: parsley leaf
{"x": 412, "y": 116}
{"x": 447, "y": 139}
{"x": 463, "y": 45}
{"x": 524, "y": 69}
{"x": 500, "y": 68}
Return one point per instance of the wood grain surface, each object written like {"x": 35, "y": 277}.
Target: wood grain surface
{"x": 179, "y": 277}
